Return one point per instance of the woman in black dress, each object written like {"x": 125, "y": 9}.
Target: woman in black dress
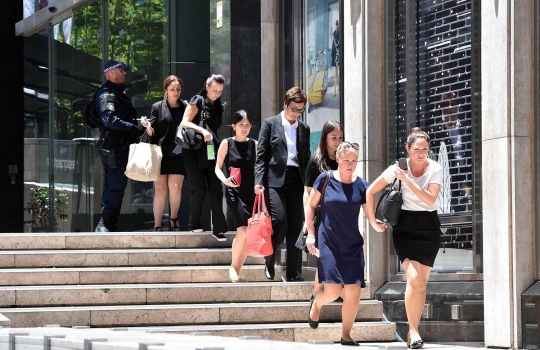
{"x": 166, "y": 115}
{"x": 238, "y": 152}
{"x": 322, "y": 160}
{"x": 417, "y": 235}
{"x": 200, "y": 163}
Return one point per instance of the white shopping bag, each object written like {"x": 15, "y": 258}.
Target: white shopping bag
{"x": 144, "y": 162}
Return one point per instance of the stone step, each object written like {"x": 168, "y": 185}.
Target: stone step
{"x": 180, "y": 314}
{"x": 119, "y": 257}
{"x": 130, "y": 274}
{"x": 113, "y": 240}
{"x": 299, "y": 332}
{"x": 280, "y": 336}
{"x": 471, "y": 310}
{"x": 183, "y": 293}
{"x": 441, "y": 331}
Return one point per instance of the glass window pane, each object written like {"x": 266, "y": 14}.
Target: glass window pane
{"x": 77, "y": 67}
{"x": 36, "y": 131}
{"x": 321, "y": 64}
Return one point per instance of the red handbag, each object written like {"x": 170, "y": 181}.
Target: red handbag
{"x": 236, "y": 174}
{"x": 259, "y": 231}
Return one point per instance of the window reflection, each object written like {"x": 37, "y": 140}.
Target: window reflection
{"x": 135, "y": 33}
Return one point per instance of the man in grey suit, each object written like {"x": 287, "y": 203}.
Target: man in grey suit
{"x": 282, "y": 156}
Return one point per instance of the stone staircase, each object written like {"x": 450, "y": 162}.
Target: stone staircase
{"x": 163, "y": 282}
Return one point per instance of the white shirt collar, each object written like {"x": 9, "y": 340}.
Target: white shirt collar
{"x": 285, "y": 122}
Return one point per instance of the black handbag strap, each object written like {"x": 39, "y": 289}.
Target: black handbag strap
{"x": 393, "y": 183}
{"x": 321, "y": 200}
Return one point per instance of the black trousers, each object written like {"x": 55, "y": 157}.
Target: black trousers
{"x": 287, "y": 211}
{"x": 114, "y": 185}
{"x": 202, "y": 181}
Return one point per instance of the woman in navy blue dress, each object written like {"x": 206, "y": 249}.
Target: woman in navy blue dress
{"x": 339, "y": 242}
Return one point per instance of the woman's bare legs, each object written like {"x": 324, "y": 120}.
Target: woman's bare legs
{"x": 327, "y": 294}
{"x": 239, "y": 249}
{"x": 316, "y": 285}
{"x": 160, "y": 193}
{"x": 351, "y": 303}
{"x": 415, "y": 294}
{"x": 175, "y": 194}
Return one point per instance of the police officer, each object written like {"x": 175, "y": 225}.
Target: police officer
{"x": 118, "y": 129}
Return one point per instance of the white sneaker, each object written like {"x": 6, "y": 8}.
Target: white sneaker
{"x": 197, "y": 230}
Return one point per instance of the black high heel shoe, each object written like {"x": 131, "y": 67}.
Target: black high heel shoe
{"x": 157, "y": 229}
{"x": 312, "y": 324}
{"x": 173, "y": 225}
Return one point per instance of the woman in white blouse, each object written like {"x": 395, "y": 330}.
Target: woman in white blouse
{"x": 417, "y": 234}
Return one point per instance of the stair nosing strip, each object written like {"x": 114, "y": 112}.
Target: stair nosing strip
{"x": 113, "y": 251}
{"x": 167, "y": 306}
{"x": 178, "y": 285}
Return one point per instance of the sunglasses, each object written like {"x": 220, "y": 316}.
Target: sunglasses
{"x": 347, "y": 144}
{"x": 296, "y": 110}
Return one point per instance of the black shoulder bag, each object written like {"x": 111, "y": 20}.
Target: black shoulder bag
{"x": 389, "y": 206}
{"x": 190, "y": 139}
{"x": 301, "y": 241}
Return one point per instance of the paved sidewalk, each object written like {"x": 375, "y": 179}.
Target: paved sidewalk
{"x": 62, "y": 338}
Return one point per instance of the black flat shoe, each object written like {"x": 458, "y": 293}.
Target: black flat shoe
{"x": 312, "y": 324}
{"x": 417, "y": 344}
{"x": 349, "y": 343}
{"x": 157, "y": 229}
{"x": 269, "y": 272}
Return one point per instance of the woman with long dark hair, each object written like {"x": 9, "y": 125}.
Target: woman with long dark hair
{"x": 166, "y": 116}
{"x": 238, "y": 152}
{"x": 200, "y": 164}
{"x": 323, "y": 159}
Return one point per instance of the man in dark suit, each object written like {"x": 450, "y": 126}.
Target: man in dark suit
{"x": 282, "y": 157}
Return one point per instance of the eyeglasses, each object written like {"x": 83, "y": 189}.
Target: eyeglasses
{"x": 296, "y": 110}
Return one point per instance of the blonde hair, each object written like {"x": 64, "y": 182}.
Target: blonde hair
{"x": 347, "y": 146}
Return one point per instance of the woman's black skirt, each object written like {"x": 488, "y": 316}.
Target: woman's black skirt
{"x": 417, "y": 236}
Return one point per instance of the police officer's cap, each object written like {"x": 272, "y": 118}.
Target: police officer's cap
{"x": 112, "y": 64}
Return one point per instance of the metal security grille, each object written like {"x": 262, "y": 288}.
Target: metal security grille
{"x": 432, "y": 84}
{"x": 444, "y": 94}
{"x": 401, "y": 78}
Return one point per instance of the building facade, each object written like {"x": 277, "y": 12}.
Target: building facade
{"x": 465, "y": 71}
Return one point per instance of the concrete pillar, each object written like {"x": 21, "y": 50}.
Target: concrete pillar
{"x": 269, "y": 52}
{"x": 363, "y": 76}
{"x": 507, "y": 165}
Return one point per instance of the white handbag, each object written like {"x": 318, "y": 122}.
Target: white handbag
{"x": 144, "y": 162}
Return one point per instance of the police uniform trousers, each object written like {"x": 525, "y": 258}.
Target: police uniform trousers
{"x": 114, "y": 184}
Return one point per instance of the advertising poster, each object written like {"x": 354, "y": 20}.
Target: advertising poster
{"x": 322, "y": 65}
